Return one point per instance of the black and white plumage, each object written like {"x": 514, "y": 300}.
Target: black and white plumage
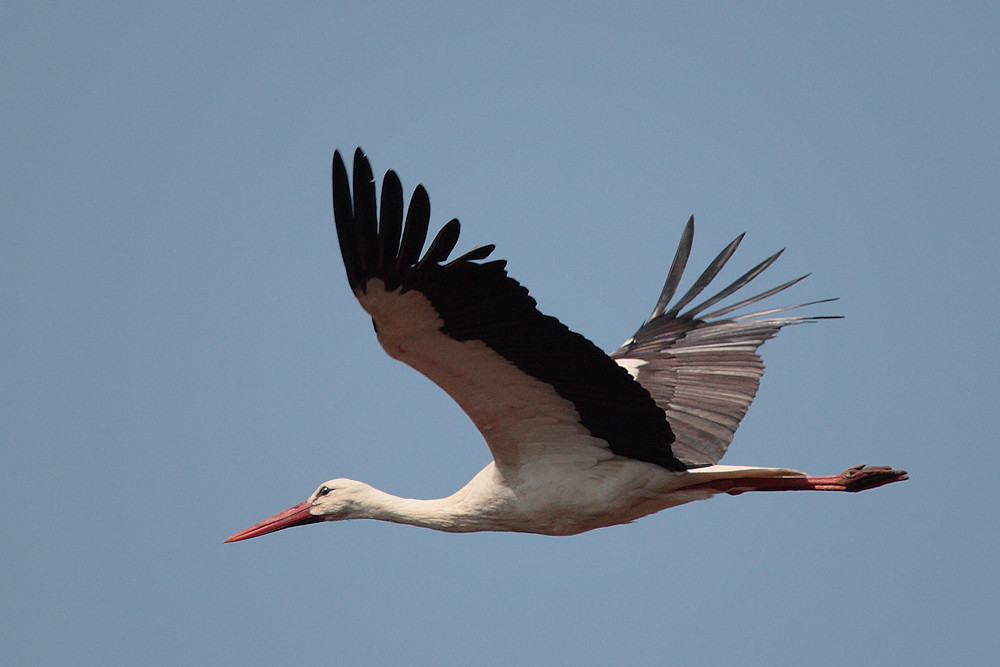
{"x": 580, "y": 439}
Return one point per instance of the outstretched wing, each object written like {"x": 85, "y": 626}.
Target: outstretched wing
{"x": 530, "y": 385}
{"x": 703, "y": 370}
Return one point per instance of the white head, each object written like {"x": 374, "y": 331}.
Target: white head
{"x": 335, "y": 500}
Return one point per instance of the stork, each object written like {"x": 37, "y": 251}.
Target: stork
{"x": 580, "y": 439}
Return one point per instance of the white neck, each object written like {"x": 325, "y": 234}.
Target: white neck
{"x": 452, "y": 514}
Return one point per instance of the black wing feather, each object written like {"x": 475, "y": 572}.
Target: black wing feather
{"x": 418, "y": 219}
{"x": 364, "y": 212}
{"x": 442, "y": 245}
{"x": 390, "y": 221}
{"x": 343, "y": 214}
{"x": 480, "y": 302}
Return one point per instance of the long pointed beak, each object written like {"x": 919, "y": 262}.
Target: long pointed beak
{"x": 293, "y": 516}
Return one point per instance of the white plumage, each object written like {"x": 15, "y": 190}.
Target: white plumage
{"x": 580, "y": 439}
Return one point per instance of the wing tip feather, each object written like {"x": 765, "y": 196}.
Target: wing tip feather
{"x": 384, "y": 243}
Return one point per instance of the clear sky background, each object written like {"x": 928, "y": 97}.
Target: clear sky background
{"x": 181, "y": 355}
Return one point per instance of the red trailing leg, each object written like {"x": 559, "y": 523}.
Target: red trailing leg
{"x": 858, "y": 478}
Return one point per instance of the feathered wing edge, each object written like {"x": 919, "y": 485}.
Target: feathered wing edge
{"x": 703, "y": 371}
{"x": 385, "y": 246}
{"x": 480, "y": 302}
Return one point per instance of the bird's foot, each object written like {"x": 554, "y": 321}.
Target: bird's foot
{"x": 859, "y": 478}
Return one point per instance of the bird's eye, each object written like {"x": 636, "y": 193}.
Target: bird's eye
{"x": 323, "y": 491}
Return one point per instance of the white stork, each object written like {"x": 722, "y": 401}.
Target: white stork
{"x": 580, "y": 439}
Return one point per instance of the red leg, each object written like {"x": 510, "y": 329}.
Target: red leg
{"x": 858, "y": 478}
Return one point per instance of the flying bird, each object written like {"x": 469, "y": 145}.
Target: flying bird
{"x": 580, "y": 439}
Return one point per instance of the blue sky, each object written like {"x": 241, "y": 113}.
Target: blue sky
{"x": 182, "y": 357}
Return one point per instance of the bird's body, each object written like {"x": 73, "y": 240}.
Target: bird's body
{"x": 580, "y": 439}
{"x": 561, "y": 495}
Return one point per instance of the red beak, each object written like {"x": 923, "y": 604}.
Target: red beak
{"x": 293, "y": 516}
